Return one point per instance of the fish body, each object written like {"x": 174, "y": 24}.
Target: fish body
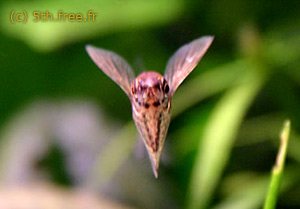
{"x": 150, "y": 93}
{"x": 151, "y": 111}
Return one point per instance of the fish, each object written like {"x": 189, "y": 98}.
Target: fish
{"x": 150, "y": 93}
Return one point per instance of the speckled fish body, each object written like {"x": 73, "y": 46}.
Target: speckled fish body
{"x": 150, "y": 93}
{"x": 151, "y": 106}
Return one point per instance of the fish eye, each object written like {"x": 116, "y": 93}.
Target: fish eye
{"x": 167, "y": 88}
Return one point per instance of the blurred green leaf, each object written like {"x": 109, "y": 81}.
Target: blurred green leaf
{"x": 280, "y": 47}
{"x": 249, "y": 193}
{"x": 208, "y": 84}
{"x": 219, "y": 134}
{"x": 112, "y": 16}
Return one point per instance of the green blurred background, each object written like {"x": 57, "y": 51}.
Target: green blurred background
{"x": 65, "y": 126}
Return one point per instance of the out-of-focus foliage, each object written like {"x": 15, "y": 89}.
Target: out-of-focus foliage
{"x": 111, "y": 16}
{"x": 63, "y": 122}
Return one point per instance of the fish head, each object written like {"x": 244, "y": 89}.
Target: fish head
{"x": 150, "y": 90}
